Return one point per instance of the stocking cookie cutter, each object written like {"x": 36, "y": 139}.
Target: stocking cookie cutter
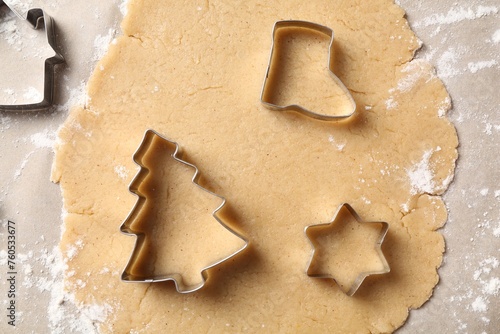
{"x": 35, "y": 17}
{"x": 267, "y": 86}
{"x": 362, "y": 275}
{"x": 126, "y": 228}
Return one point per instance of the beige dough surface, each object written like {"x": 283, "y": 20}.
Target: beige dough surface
{"x": 193, "y": 71}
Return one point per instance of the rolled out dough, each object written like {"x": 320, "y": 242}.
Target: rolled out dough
{"x": 193, "y": 72}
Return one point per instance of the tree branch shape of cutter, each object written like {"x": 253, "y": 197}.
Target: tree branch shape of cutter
{"x": 128, "y": 275}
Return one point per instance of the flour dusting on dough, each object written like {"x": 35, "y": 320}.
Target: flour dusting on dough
{"x": 415, "y": 70}
{"x": 339, "y": 146}
{"x": 101, "y": 43}
{"x": 421, "y": 175}
{"x": 43, "y": 270}
{"x": 121, "y": 171}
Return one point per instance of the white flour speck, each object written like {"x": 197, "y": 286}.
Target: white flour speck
{"x": 457, "y": 14}
{"x": 474, "y": 67}
{"x": 123, "y": 8}
{"x": 415, "y": 70}
{"x": 479, "y": 305}
{"x": 33, "y": 94}
{"x": 446, "y": 64}
{"x": 444, "y": 106}
{"x": 496, "y": 37}
{"x": 390, "y": 103}
{"x": 101, "y": 44}
{"x": 484, "y": 191}
{"x": 19, "y": 171}
{"x": 45, "y": 139}
{"x": 492, "y": 287}
{"x": 121, "y": 171}
{"x": 340, "y": 146}
{"x": 421, "y": 176}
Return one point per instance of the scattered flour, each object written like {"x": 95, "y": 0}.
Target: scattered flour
{"x": 474, "y": 67}
{"x": 65, "y": 313}
{"x": 41, "y": 270}
{"x": 492, "y": 287}
{"x": 458, "y": 14}
{"x": 77, "y": 97}
{"x": 44, "y": 139}
{"x": 101, "y": 43}
{"x": 447, "y": 64}
{"x": 121, "y": 171}
{"x": 339, "y": 146}
{"x": 25, "y": 161}
{"x": 479, "y": 305}
{"x": 496, "y": 231}
{"x": 21, "y": 6}
{"x": 5, "y": 122}
{"x": 33, "y": 94}
{"x": 421, "y": 176}
{"x": 444, "y": 106}
{"x": 124, "y": 8}
{"x": 489, "y": 286}
{"x": 484, "y": 191}
{"x": 496, "y": 37}
{"x": 390, "y": 103}
{"x": 415, "y": 70}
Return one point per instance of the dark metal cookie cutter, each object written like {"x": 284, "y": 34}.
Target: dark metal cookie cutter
{"x": 264, "y": 97}
{"x": 128, "y": 275}
{"x": 378, "y": 247}
{"x": 36, "y": 17}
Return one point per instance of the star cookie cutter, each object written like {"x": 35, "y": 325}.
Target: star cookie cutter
{"x": 267, "y": 86}
{"x": 35, "y": 17}
{"x": 128, "y": 275}
{"x": 378, "y": 248}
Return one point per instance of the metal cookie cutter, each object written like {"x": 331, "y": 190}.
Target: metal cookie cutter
{"x": 127, "y": 275}
{"x": 378, "y": 247}
{"x": 267, "y": 87}
{"x": 35, "y": 17}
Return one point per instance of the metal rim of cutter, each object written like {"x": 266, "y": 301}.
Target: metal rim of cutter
{"x": 35, "y": 17}
{"x": 378, "y": 247}
{"x": 125, "y": 228}
{"x": 295, "y": 107}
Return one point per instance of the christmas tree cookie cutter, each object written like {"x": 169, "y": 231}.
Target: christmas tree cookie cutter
{"x": 35, "y": 17}
{"x": 349, "y": 291}
{"x": 128, "y": 275}
{"x": 267, "y": 87}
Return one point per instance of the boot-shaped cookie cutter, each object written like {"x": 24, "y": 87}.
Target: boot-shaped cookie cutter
{"x": 35, "y": 18}
{"x": 384, "y": 227}
{"x": 267, "y": 87}
{"x": 127, "y": 228}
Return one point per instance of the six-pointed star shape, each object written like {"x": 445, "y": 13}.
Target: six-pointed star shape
{"x": 354, "y": 260}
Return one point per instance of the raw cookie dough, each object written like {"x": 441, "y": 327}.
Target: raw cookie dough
{"x": 193, "y": 72}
